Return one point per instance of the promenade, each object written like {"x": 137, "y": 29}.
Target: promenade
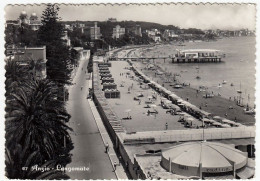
{"x": 89, "y": 149}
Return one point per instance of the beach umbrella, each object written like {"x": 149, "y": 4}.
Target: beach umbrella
{"x": 217, "y": 118}
{"x": 149, "y": 97}
{"x": 127, "y": 111}
{"x": 225, "y": 126}
{"x": 206, "y": 120}
{"x": 168, "y": 102}
{"x": 217, "y": 124}
{"x": 190, "y": 119}
{"x": 153, "y": 106}
{"x": 226, "y": 121}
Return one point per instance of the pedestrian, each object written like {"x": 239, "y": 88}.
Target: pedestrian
{"x": 120, "y": 159}
{"x": 235, "y": 119}
{"x": 107, "y": 147}
{"x": 139, "y": 102}
{"x": 126, "y": 165}
{"x": 166, "y": 126}
{"x": 226, "y": 115}
{"x": 115, "y": 165}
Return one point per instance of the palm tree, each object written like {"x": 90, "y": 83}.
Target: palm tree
{"x": 36, "y": 120}
{"x": 15, "y": 74}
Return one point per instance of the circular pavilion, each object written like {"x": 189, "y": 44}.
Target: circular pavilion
{"x": 195, "y": 158}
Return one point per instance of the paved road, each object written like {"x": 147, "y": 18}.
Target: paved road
{"x": 88, "y": 149}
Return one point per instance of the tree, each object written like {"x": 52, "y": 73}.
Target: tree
{"x": 36, "y": 132}
{"x": 36, "y": 120}
{"x": 57, "y": 53}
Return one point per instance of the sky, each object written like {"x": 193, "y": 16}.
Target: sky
{"x": 202, "y": 16}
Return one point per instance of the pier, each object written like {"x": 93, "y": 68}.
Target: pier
{"x": 196, "y": 60}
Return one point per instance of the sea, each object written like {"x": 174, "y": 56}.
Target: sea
{"x": 237, "y": 68}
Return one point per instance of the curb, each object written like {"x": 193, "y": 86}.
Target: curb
{"x": 93, "y": 108}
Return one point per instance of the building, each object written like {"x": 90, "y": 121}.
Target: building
{"x": 66, "y": 38}
{"x": 118, "y": 32}
{"x": 112, "y": 20}
{"x": 24, "y": 55}
{"x": 138, "y": 30}
{"x": 169, "y": 34}
{"x": 155, "y": 34}
{"x": 33, "y": 22}
{"x": 95, "y": 32}
{"x": 196, "y": 160}
{"x": 68, "y": 27}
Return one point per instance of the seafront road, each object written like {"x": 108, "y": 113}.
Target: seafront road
{"x": 89, "y": 150}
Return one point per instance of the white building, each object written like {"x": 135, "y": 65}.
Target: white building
{"x": 95, "y": 32}
{"x": 169, "y": 34}
{"x": 33, "y": 22}
{"x": 118, "y": 32}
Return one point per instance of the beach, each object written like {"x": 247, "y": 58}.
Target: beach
{"x": 127, "y": 106}
{"x": 237, "y": 67}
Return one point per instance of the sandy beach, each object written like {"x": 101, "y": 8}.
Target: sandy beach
{"x": 216, "y": 105}
{"x": 127, "y": 106}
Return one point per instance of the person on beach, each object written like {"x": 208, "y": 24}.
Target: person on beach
{"x": 226, "y": 115}
{"x": 139, "y": 102}
{"x": 166, "y": 126}
{"x": 81, "y": 87}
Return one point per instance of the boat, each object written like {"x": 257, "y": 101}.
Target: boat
{"x": 224, "y": 82}
{"x": 231, "y": 84}
{"x": 177, "y": 86}
{"x": 249, "y": 111}
{"x": 219, "y": 86}
{"x": 239, "y": 91}
{"x": 198, "y": 77}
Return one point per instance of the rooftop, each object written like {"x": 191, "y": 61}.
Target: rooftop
{"x": 199, "y": 50}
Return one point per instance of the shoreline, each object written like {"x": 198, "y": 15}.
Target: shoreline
{"x": 217, "y": 105}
